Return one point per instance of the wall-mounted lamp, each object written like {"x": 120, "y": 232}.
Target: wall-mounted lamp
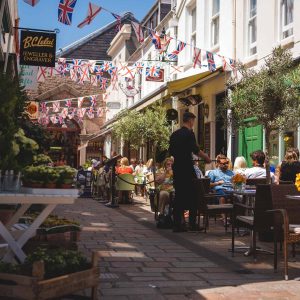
{"x": 206, "y": 110}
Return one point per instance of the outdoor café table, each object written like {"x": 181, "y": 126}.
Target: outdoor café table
{"x": 27, "y": 197}
{"x": 293, "y": 197}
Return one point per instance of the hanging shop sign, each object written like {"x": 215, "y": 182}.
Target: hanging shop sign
{"x": 113, "y": 105}
{"x": 28, "y": 77}
{"x": 32, "y": 110}
{"x": 37, "y": 48}
{"x": 159, "y": 78}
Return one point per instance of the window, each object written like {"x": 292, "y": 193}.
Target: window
{"x": 252, "y": 27}
{"x": 287, "y": 18}
{"x": 193, "y": 29}
{"x": 215, "y": 22}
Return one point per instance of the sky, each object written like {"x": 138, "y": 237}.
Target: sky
{"x": 44, "y": 16}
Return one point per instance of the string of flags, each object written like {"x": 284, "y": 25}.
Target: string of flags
{"x": 56, "y": 111}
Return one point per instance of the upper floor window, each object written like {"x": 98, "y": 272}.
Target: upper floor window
{"x": 215, "y": 22}
{"x": 252, "y": 27}
{"x": 287, "y": 18}
{"x": 193, "y": 28}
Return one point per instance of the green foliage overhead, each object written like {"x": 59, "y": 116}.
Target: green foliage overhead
{"x": 140, "y": 127}
{"x": 270, "y": 94}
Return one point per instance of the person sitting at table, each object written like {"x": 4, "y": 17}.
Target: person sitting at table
{"x": 289, "y": 167}
{"x": 124, "y": 167}
{"x": 240, "y": 165}
{"x": 258, "y": 170}
{"x": 220, "y": 177}
{"x": 164, "y": 178}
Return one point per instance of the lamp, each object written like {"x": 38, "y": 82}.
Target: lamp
{"x": 206, "y": 110}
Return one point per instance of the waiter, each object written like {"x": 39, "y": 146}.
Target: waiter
{"x": 182, "y": 145}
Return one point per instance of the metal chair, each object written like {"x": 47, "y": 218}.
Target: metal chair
{"x": 286, "y": 218}
{"x": 125, "y": 183}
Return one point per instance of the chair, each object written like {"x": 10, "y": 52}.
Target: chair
{"x": 286, "y": 219}
{"x": 206, "y": 209}
{"x": 125, "y": 183}
{"x": 256, "y": 181}
{"x": 260, "y": 221}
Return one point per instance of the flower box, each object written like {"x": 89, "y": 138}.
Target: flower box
{"x": 36, "y": 287}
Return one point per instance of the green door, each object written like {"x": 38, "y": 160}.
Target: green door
{"x": 250, "y": 139}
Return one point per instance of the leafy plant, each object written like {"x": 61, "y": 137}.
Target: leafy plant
{"x": 66, "y": 174}
{"x": 270, "y": 96}
{"x": 42, "y": 159}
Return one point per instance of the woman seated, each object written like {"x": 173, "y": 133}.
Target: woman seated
{"x": 124, "y": 168}
{"x": 289, "y": 167}
{"x": 165, "y": 181}
{"x": 240, "y": 165}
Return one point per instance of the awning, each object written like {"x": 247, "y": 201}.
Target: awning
{"x": 177, "y": 86}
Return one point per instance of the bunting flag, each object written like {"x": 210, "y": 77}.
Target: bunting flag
{"x": 119, "y": 23}
{"x": 165, "y": 44}
{"x": 210, "y": 61}
{"x": 43, "y": 107}
{"x": 91, "y": 65}
{"x": 138, "y": 31}
{"x": 114, "y": 79}
{"x": 99, "y": 112}
{"x": 61, "y": 61}
{"x": 93, "y": 100}
{"x": 32, "y": 2}
{"x": 93, "y": 11}
{"x": 174, "y": 54}
{"x": 90, "y": 113}
{"x": 72, "y": 114}
{"x": 80, "y": 101}
{"x": 41, "y": 74}
{"x": 94, "y": 81}
{"x": 139, "y": 66}
{"x": 155, "y": 39}
{"x": 98, "y": 72}
{"x": 127, "y": 72}
{"x": 153, "y": 71}
{"x": 65, "y": 11}
{"x": 73, "y": 75}
{"x": 228, "y": 65}
{"x": 197, "y": 57}
{"x": 176, "y": 69}
{"x": 60, "y": 120}
{"x": 56, "y": 106}
{"x": 53, "y": 120}
{"x": 81, "y": 112}
{"x": 69, "y": 103}
{"x": 107, "y": 65}
{"x": 84, "y": 74}
{"x": 64, "y": 112}
{"x": 76, "y": 65}
{"x": 103, "y": 82}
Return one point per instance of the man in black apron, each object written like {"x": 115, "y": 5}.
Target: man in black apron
{"x": 182, "y": 145}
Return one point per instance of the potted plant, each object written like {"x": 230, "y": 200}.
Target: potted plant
{"x": 48, "y": 274}
{"x": 42, "y": 159}
{"x": 66, "y": 176}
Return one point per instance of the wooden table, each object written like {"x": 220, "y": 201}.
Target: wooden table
{"x": 49, "y": 198}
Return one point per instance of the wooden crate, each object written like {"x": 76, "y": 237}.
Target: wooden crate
{"x": 37, "y": 288}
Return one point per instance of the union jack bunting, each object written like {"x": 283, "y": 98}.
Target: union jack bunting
{"x": 138, "y": 31}
{"x": 98, "y": 72}
{"x": 73, "y": 75}
{"x": 210, "y": 61}
{"x": 91, "y": 65}
{"x": 62, "y": 61}
{"x": 165, "y": 43}
{"x": 93, "y": 100}
{"x": 69, "y": 103}
{"x": 93, "y": 11}
{"x": 229, "y": 64}
{"x": 99, "y": 112}
{"x": 94, "y": 80}
{"x": 81, "y": 112}
{"x": 103, "y": 82}
{"x": 107, "y": 65}
{"x": 32, "y": 2}
{"x": 53, "y": 120}
{"x": 153, "y": 71}
{"x": 197, "y": 57}
{"x": 139, "y": 66}
{"x": 56, "y": 106}
{"x": 176, "y": 69}
{"x": 175, "y": 53}
{"x": 60, "y": 120}
{"x": 128, "y": 72}
{"x": 71, "y": 115}
{"x": 41, "y": 74}
{"x": 155, "y": 39}
{"x": 84, "y": 74}
{"x": 119, "y": 23}
{"x": 90, "y": 113}
{"x": 65, "y": 11}
{"x": 80, "y": 101}
{"x": 76, "y": 65}
{"x": 44, "y": 107}
{"x": 61, "y": 69}
{"x": 64, "y": 112}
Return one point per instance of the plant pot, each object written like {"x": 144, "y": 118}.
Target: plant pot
{"x": 50, "y": 185}
{"x": 32, "y": 184}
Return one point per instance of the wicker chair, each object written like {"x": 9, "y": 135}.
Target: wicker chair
{"x": 256, "y": 181}
{"x": 205, "y": 209}
{"x": 259, "y": 221}
{"x": 287, "y": 213}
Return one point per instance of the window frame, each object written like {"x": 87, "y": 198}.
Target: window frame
{"x": 192, "y": 34}
{"x": 285, "y": 28}
{"x": 214, "y": 19}
{"x": 251, "y": 19}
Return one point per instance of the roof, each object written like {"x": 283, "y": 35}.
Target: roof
{"x": 64, "y": 52}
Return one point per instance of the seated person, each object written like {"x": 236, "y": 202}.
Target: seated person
{"x": 258, "y": 170}
{"x": 165, "y": 181}
{"x": 289, "y": 167}
{"x": 221, "y": 176}
{"x": 124, "y": 168}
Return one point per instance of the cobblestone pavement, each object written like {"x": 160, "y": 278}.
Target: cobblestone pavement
{"x": 139, "y": 261}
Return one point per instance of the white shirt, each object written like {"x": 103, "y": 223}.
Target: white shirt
{"x": 258, "y": 172}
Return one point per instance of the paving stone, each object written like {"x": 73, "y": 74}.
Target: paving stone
{"x": 182, "y": 276}
{"x": 128, "y": 291}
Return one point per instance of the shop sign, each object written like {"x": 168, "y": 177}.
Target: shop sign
{"x": 32, "y": 110}
{"x": 113, "y": 105}
{"x": 37, "y": 48}
{"x": 28, "y": 77}
{"x": 159, "y": 78}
